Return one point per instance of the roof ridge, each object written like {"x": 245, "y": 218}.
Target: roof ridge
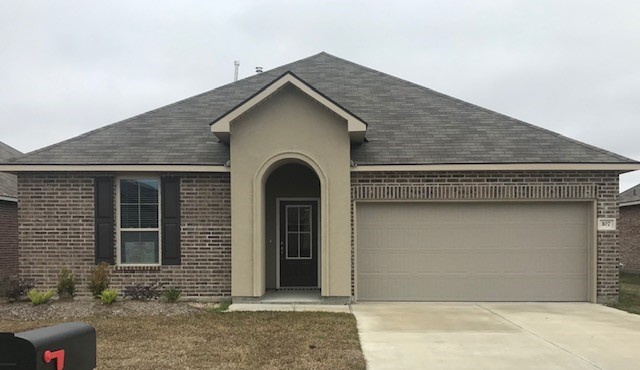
{"x": 515, "y": 120}
{"x": 99, "y": 129}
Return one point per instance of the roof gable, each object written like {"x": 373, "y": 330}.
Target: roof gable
{"x": 221, "y": 126}
{"x": 8, "y": 182}
{"x": 630, "y": 196}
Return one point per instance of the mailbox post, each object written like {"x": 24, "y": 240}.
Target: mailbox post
{"x": 70, "y": 346}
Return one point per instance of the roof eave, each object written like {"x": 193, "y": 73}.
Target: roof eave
{"x": 619, "y": 167}
{"x": 631, "y": 203}
{"x": 20, "y": 168}
{"x": 8, "y": 198}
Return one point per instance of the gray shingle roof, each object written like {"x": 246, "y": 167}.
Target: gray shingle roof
{"x": 407, "y": 124}
{"x": 8, "y": 182}
{"x": 630, "y": 195}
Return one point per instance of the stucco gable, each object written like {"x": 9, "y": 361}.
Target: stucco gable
{"x": 221, "y": 127}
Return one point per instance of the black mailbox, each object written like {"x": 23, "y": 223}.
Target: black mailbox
{"x": 70, "y": 346}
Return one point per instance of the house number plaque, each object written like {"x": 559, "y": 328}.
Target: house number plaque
{"x": 606, "y": 224}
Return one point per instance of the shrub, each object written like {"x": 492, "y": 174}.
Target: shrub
{"x": 109, "y": 296}
{"x": 14, "y": 287}
{"x": 38, "y": 298}
{"x": 172, "y": 294}
{"x": 99, "y": 279}
{"x": 143, "y": 291}
{"x": 221, "y": 306}
{"x": 66, "y": 283}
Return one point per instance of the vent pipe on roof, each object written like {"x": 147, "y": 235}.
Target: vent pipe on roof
{"x": 235, "y": 74}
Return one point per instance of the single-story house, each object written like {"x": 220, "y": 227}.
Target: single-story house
{"x": 8, "y": 216}
{"x": 326, "y": 175}
{"x": 629, "y": 227}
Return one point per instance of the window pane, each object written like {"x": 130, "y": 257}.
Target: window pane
{"x": 139, "y": 203}
{"x": 292, "y": 218}
{"x": 148, "y": 191}
{"x": 305, "y": 245}
{"x": 148, "y": 216}
{"x": 128, "y": 191}
{"x": 139, "y": 247}
{"x": 129, "y": 216}
{"x": 292, "y": 245}
{"x": 305, "y": 218}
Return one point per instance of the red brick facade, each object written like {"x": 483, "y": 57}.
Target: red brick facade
{"x": 579, "y": 185}
{"x": 56, "y": 214}
{"x": 629, "y": 226}
{"x": 8, "y": 238}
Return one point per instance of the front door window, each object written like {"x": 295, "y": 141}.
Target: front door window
{"x": 299, "y": 233}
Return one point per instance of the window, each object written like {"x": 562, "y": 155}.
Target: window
{"x": 139, "y": 221}
{"x": 299, "y": 236}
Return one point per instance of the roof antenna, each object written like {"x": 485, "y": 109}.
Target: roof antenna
{"x": 236, "y": 63}
{"x": 258, "y": 69}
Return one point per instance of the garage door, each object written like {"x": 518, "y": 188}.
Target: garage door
{"x": 472, "y": 251}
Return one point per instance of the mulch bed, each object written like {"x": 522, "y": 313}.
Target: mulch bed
{"x": 70, "y": 309}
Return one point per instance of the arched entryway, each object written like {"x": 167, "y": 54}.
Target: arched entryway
{"x": 292, "y": 202}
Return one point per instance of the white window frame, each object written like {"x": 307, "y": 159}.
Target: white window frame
{"x": 119, "y": 229}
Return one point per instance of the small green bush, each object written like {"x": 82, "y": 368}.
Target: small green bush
{"x": 99, "y": 279}
{"x": 66, "y": 283}
{"x": 221, "y": 306}
{"x": 14, "y": 287}
{"x": 38, "y": 298}
{"x": 109, "y": 296}
{"x": 172, "y": 294}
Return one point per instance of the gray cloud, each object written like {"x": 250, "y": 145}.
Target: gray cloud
{"x": 67, "y": 67}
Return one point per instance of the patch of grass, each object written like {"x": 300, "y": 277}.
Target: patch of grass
{"x": 629, "y": 299}
{"x": 242, "y": 340}
{"x": 220, "y": 307}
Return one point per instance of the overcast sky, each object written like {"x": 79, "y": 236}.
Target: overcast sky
{"x": 573, "y": 67}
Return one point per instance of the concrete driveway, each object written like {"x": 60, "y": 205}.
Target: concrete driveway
{"x": 497, "y": 336}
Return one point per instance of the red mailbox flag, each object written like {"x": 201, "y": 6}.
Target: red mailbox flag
{"x": 55, "y": 355}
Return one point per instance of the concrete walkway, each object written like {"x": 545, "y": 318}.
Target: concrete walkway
{"x": 255, "y": 307}
{"x": 497, "y": 336}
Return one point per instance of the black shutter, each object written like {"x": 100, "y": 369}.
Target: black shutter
{"x": 104, "y": 220}
{"x": 171, "y": 220}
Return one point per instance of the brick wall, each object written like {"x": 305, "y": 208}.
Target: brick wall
{"x": 629, "y": 226}
{"x": 516, "y": 185}
{"x": 56, "y": 214}
{"x": 8, "y": 238}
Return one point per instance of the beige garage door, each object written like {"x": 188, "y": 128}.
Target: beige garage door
{"x": 472, "y": 251}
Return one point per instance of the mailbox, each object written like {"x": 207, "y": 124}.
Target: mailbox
{"x": 70, "y": 346}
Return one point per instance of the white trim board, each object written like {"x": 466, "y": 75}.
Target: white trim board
{"x": 110, "y": 168}
{"x": 627, "y": 204}
{"x": 501, "y": 167}
{"x": 14, "y": 168}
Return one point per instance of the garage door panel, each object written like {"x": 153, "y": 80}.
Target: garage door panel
{"x": 473, "y": 251}
{"x": 477, "y": 289}
{"x": 458, "y": 236}
{"x": 549, "y": 260}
